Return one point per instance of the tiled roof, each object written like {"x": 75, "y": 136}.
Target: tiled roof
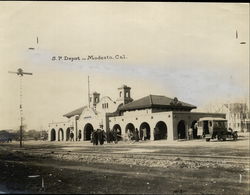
{"x": 75, "y": 112}
{"x": 156, "y": 101}
{"x": 151, "y": 101}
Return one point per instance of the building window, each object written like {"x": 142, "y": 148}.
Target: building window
{"x": 105, "y": 105}
{"x": 120, "y": 93}
{"x": 127, "y": 94}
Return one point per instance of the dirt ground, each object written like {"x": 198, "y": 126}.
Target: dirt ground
{"x": 151, "y": 167}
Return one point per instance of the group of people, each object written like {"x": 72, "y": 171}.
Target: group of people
{"x": 133, "y": 135}
{"x": 113, "y": 136}
{"x": 99, "y": 136}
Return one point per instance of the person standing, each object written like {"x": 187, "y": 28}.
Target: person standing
{"x": 190, "y": 133}
{"x": 131, "y": 135}
{"x": 156, "y": 133}
{"x": 136, "y": 136}
{"x": 111, "y": 137}
{"x": 144, "y": 134}
{"x": 126, "y": 138}
{"x": 102, "y": 132}
{"x": 79, "y": 135}
{"x": 94, "y": 137}
{"x": 115, "y": 136}
{"x": 108, "y": 135}
{"x": 128, "y": 135}
{"x": 100, "y": 135}
{"x": 71, "y": 136}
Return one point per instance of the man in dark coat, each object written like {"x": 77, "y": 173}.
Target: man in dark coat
{"x": 111, "y": 135}
{"x": 100, "y": 135}
{"x": 71, "y": 136}
{"x": 108, "y": 135}
{"x": 115, "y": 136}
{"x": 79, "y": 135}
{"x": 136, "y": 136}
{"x": 94, "y": 137}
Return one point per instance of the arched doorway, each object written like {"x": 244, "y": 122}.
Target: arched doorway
{"x": 67, "y": 134}
{"x": 119, "y": 131}
{"x": 160, "y": 131}
{"x": 129, "y": 130}
{"x": 194, "y": 127}
{"x": 144, "y": 131}
{"x": 88, "y": 129}
{"x": 130, "y": 127}
{"x": 181, "y": 130}
{"x": 52, "y": 135}
{"x": 60, "y": 134}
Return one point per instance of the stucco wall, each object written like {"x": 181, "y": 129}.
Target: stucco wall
{"x": 139, "y": 117}
{"x": 112, "y": 106}
{"x": 188, "y": 118}
{"x": 95, "y": 118}
{"x": 57, "y": 126}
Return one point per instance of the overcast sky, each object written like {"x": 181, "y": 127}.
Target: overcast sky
{"x": 183, "y": 50}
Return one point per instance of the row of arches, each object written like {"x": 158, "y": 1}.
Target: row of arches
{"x": 60, "y": 136}
{"x": 160, "y": 131}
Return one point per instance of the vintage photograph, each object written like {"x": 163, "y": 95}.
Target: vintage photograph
{"x": 124, "y": 98}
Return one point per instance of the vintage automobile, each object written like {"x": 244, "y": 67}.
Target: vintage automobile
{"x": 215, "y": 128}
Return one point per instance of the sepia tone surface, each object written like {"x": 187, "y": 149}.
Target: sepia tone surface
{"x": 184, "y": 50}
{"x": 197, "y": 52}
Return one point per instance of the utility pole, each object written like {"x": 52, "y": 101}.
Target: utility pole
{"x": 88, "y": 93}
{"x": 20, "y": 73}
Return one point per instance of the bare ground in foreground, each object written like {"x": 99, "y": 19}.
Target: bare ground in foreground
{"x": 187, "y": 167}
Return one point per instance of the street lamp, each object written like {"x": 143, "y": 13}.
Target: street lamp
{"x": 20, "y": 73}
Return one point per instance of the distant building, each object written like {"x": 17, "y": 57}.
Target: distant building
{"x": 238, "y": 116}
{"x": 155, "y": 116}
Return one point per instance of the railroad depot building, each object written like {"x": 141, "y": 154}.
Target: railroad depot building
{"x": 157, "y": 117}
